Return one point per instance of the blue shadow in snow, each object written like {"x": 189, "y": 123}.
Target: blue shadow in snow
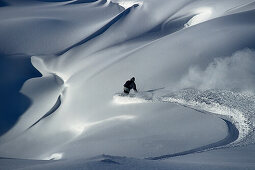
{"x": 82, "y": 1}
{"x": 14, "y": 71}
{"x": 53, "y": 0}
{"x": 3, "y": 3}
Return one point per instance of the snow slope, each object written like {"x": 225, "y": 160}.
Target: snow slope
{"x": 197, "y": 54}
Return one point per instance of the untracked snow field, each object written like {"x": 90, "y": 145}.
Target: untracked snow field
{"x": 63, "y": 64}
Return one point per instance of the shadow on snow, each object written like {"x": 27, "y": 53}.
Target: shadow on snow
{"x": 14, "y": 71}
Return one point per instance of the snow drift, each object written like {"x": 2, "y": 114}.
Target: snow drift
{"x": 86, "y": 50}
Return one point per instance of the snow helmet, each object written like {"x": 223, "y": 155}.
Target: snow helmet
{"x": 132, "y": 79}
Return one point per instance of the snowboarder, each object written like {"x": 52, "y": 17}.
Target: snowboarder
{"x": 130, "y": 84}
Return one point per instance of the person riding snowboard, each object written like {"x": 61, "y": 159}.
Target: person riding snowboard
{"x": 130, "y": 84}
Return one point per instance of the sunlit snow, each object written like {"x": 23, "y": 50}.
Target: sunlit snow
{"x": 54, "y": 156}
{"x": 202, "y": 14}
{"x": 63, "y": 67}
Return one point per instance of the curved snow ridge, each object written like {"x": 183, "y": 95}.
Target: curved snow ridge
{"x": 202, "y": 15}
{"x": 52, "y": 110}
{"x": 90, "y": 2}
{"x": 231, "y": 137}
{"x": 172, "y": 25}
{"x": 235, "y": 106}
{"x": 82, "y": 2}
{"x": 101, "y": 30}
{"x": 39, "y": 64}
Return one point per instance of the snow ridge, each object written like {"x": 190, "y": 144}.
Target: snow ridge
{"x": 52, "y": 110}
{"x": 101, "y": 30}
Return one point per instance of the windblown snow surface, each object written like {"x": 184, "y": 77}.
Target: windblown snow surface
{"x": 63, "y": 65}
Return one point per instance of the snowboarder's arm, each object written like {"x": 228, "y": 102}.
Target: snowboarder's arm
{"x": 135, "y": 87}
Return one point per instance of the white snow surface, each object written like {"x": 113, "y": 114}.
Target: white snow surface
{"x": 194, "y": 67}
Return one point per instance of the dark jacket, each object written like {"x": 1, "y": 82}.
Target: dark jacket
{"x": 130, "y": 85}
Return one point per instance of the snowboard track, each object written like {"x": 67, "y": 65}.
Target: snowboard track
{"x": 233, "y": 134}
